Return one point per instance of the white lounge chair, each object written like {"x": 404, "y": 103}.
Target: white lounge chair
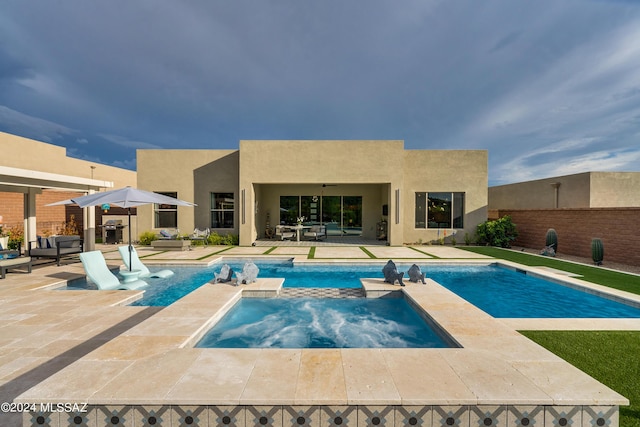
{"x": 284, "y": 232}
{"x": 316, "y": 232}
{"x": 136, "y": 264}
{"x": 98, "y": 272}
{"x": 201, "y": 235}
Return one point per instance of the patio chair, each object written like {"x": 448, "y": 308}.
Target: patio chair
{"x": 200, "y": 235}
{"x": 98, "y": 272}
{"x": 284, "y": 232}
{"x": 136, "y": 264}
{"x": 316, "y": 232}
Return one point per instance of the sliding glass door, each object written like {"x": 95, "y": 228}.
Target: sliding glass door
{"x": 342, "y": 215}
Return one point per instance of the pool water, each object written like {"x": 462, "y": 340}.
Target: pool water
{"x": 321, "y": 323}
{"x": 501, "y": 292}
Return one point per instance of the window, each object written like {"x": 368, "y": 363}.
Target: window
{"x": 222, "y": 210}
{"x": 439, "y": 210}
{"x": 166, "y": 216}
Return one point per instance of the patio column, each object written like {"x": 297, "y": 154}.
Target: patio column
{"x": 30, "y": 230}
{"x": 89, "y": 227}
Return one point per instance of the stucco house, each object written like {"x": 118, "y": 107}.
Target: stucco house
{"x": 350, "y": 186}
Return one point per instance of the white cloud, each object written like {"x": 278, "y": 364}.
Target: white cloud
{"x": 128, "y": 143}
{"x": 36, "y": 128}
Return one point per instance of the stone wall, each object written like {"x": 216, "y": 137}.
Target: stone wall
{"x": 619, "y": 229}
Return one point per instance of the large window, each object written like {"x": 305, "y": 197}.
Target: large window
{"x": 439, "y": 210}
{"x": 342, "y": 215}
{"x": 166, "y": 216}
{"x": 222, "y": 210}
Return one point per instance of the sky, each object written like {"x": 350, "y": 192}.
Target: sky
{"x": 548, "y": 87}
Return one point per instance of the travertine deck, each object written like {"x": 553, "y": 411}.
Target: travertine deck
{"x": 136, "y": 363}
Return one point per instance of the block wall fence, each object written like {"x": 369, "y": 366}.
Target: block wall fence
{"x": 619, "y": 229}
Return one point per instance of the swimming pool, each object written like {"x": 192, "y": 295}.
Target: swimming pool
{"x": 322, "y": 323}
{"x": 499, "y": 291}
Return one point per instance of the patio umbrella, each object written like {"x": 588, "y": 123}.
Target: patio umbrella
{"x": 128, "y": 198}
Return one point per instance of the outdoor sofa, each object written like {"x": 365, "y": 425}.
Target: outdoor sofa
{"x": 56, "y": 247}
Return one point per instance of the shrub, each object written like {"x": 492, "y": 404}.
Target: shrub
{"x": 226, "y": 240}
{"x": 500, "y": 232}
{"x": 147, "y": 237}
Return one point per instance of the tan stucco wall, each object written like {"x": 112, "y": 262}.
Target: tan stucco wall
{"x": 29, "y": 154}
{"x": 573, "y": 192}
{"x": 615, "y": 189}
{"x": 463, "y": 171}
{"x": 583, "y": 190}
{"x": 193, "y": 174}
{"x": 319, "y": 162}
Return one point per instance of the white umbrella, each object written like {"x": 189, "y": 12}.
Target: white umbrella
{"x": 128, "y": 198}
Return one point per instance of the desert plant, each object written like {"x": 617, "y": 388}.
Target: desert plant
{"x": 467, "y": 239}
{"x": 500, "y": 232}
{"x": 226, "y": 240}
{"x": 453, "y": 241}
{"x": 597, "y": 251}
{"x": 552, "y": 239}
{"x": 69, "y": 228}
{"x": 147, "y": 237}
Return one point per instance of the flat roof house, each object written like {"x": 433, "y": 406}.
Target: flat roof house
{"x": 349, "y": 186}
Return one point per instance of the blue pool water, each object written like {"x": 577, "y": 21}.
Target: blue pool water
{"x": 321, "y": 323}
{"x": 499, "y": 291}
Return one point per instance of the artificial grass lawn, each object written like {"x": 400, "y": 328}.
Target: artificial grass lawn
{"x": 593, "y": 274}
{"x": 611, "y": 357}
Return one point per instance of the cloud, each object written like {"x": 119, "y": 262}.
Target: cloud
{"x": 18, "y": 123}
{"x": 125, "y": 142}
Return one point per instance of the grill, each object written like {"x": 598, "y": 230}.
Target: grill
{"x": 112, "y": 231}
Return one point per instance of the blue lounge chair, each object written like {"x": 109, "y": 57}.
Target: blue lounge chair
{"x": 98, "y": 272}
{"x": 136, "y": 264}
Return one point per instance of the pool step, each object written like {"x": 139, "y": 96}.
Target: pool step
{"x": 322, "y": 293}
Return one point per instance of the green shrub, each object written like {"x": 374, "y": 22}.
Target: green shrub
{"x": 226, "y": 240}
{"x": 147, "y": 237}
{"x": 500, "y": 232}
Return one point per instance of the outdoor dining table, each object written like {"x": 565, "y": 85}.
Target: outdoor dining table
{"x": 298, "y": 228}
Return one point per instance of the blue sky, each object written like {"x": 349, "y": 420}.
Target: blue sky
{"x": 547, "y": 87}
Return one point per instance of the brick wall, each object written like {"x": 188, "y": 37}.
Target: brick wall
{"x": 619, "y": 229}
{"x": 49, "y": 219}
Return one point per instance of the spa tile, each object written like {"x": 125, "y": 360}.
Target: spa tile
{"x": 189, "y": 416}
{"x": 525, "y": 415}
{"x": 265, "y": 416}
{"x": 217, "y": 375}
{"x": 600, "y": 416}
{"x": 320, "y": 378}
{"x": 274, "y": 377}
{"x": 486, "y": 415}
{"x": 367, "y": 377}
{"x": 301, "y": 416}
{"x": 445, "y": 416}
{"x": 227, "y": 416}
{"x": 425, "y": 377}
{"x": 413, "y": 416}
{"x": 338, "y": 416}
{"x": 383, "y": 415}
{"x": 563, "y": 416}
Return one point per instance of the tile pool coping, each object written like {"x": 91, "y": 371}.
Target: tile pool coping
{"x": 153, "y": 364}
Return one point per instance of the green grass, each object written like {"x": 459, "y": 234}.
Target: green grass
{"x": 611, "y": 357}
{"x": 593, "y": 274}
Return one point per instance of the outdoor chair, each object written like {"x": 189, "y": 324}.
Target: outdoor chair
{"x": 201, "y": 235}
{"x": 316, "y": 232}
{"x": 249, "y": 273}
{"x": 136, "y": 264}
{"x": 98, "y": 272}
{"x": 284, "y": 232}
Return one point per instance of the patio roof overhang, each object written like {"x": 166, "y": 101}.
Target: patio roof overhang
{"x": 15, "y": 180}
